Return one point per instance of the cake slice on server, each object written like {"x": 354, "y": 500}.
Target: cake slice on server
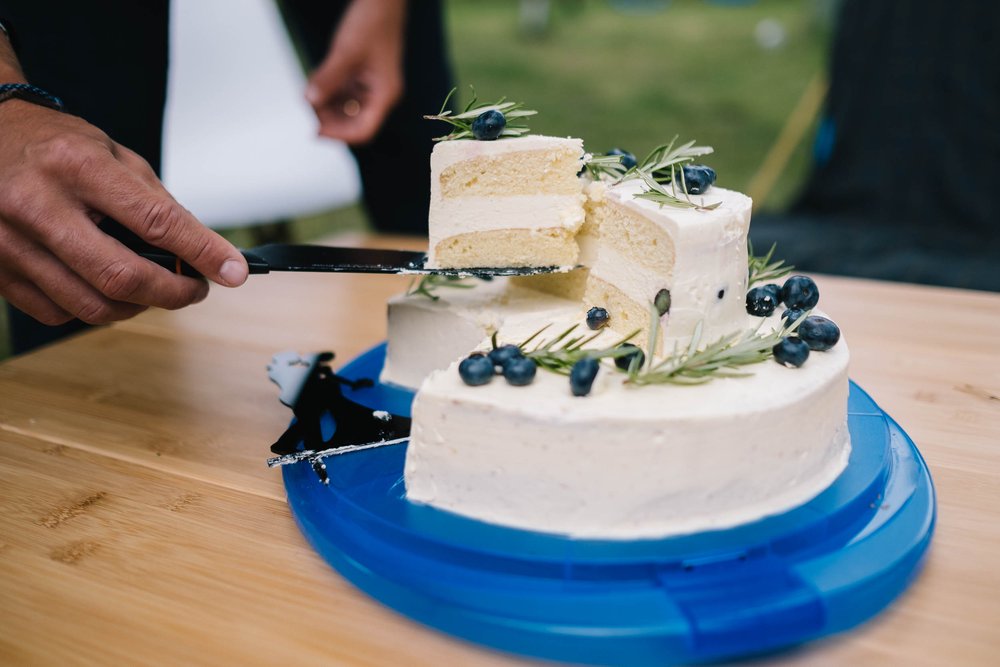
{"x": 502, "y": 195}
{"x": 517, "y": 200}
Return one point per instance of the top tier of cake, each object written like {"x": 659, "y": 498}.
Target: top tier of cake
{"x": 636, "y": 248}
{"x": 521, "y": 202}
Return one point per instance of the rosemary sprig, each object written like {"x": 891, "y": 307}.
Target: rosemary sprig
{"x": 599, "y": 165}
{"x": 722, "y": 358}
{"x": 428, "y": 284}
{"x": 658, "y": 193}
{"x": 762, "y": 269}
{"x": 514, "y": 112}
{"x": 663, "y": 161}
{"x": 559, "y": 353}
{"x": 664, "y": 165}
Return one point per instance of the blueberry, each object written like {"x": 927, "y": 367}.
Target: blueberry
{"x": 628, "y": 160}
{"x": 581, "y": 376}
{"x": 623, "y": 362}
{"x": 520, "y": 371}
{"x": 488, "y": 125}
{"x": 597, "y": 317}
{"x": 501, "y": 355}
{"x": 476, "y": 369}
{"x": 775, "y": 291}
{"x": 819, "y": 333}
{"x": 791, "y": 352}
{"x": 800, "y": 292}
{"x": 792, "y": 315}
{"x": 760, "y": 302}
{"x": 698, "y": 178}
{"x": 662, "y": 302}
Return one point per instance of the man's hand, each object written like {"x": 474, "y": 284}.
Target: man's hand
{"x": 59, "y": 176}
{"x": 361, "y": 78}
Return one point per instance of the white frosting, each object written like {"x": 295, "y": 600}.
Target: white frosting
{"x": 447, "y": 153}
{"x": 426, "y": 335}
{"x": 450, "y": 216}
{"x": 630, "y": 462}
{"x": 624, "y": 462}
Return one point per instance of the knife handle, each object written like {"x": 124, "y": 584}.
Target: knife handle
{"x": 167, "y": 260}
{"x": 175, "y": 264}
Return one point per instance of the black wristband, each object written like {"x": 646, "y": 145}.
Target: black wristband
{"x": 29, "y": 93}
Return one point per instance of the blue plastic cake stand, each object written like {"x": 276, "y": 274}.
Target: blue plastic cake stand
{"x": 819, "y": 569}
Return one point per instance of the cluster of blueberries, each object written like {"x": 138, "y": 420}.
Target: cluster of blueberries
{"x": 519, "y": 370}
{"x": 508, "y": 360}
{"x": 799, "y": 294}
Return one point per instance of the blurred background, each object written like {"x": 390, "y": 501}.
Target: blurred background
{"x": 744, "y": 76}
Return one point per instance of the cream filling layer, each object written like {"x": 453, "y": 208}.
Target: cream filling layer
{"x": 464, "y": 215}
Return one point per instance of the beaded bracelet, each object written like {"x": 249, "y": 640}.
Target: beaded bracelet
{"x": 29, "y": 93}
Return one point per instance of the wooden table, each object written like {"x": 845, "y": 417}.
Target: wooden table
{"x": 139, "y": 523}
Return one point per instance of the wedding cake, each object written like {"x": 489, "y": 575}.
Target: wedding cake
{"x": 635, "y": 397}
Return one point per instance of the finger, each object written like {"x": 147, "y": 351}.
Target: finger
{"x": 355, "y": 130}
{"x": 30, "y": 300}
{"x": 329, "y": 78}
{"x": 137, "y": 164}
{"x": 72, "y": 294}
{"x": 106, "y": 265}
{"x": 370, "y": 107}
{"x": 155, "y": 216}
{"x": 378, "y": 104}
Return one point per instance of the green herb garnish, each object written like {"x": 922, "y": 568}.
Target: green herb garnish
{"x": 697, "y": 364}
{"x": 663, "y": 166}
{"x": 600, "y": 164}
{"x": 559, "y": 353}
{"x": 663, "y": 161}
{"x": 762, "y": 269}
{"x": 658, "y": 193}
{"x": 514, "y": 112}
{"x": 428, "y": 284}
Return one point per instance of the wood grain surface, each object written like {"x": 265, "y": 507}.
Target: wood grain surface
{"x": 139, "y": 524}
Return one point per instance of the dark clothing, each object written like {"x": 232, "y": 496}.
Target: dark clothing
{"x": 107, "y": 60}
{"x": 908, "y": 154}
{"x": 400, "y": 153}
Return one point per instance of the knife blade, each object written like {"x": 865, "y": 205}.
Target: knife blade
{"x": 321, "y": 259}
{"x": 332, "y": 259}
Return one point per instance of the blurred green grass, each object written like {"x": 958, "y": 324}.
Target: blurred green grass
{"x": 632, "y": 74}
{"x": 634, "y": 79}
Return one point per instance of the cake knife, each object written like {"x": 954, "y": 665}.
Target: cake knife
{"x": 331, "y": 259}
{"x": 322, "y": 259}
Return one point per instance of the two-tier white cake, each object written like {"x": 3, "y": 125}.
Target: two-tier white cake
{"x": 627, "y": 460}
